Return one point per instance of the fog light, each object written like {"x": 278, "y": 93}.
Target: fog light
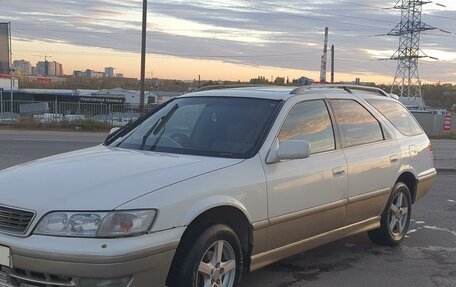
{"x": 119, "y": 282}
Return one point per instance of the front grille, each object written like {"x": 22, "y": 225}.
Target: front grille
{"x": 14, "y": 221}
{"x": 3, "y": 279}
{"x": 19, "y": 278}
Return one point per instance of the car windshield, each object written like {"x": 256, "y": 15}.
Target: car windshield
{"x": 209, "y": 126}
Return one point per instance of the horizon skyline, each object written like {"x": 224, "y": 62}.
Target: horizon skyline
{"x": 230, "y": 40}
{"x": 254, "y": 77}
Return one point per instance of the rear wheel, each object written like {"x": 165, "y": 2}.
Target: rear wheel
{"x": 395, "y": 218}
{"x": 214, "y": 259}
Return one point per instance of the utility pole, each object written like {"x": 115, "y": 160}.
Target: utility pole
{"x": 1, "y": 100}
{"x": 332, "y": 63}
{"x": 407, "y": 82}
{"x": 11, "y": 67}
{"x": 143, "y": 58}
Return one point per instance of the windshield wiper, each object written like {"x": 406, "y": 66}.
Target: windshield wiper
{"x": 158, "y": 126}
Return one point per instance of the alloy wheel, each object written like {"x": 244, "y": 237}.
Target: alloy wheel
{"x": 398, "y": 214}
{"x": 217, "y": 268}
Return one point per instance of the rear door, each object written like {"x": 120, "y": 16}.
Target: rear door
{"x": 372, "y": 157}
{"x": 307, "y": 196}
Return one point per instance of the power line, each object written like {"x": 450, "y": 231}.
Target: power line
{"x": 440, "y": 16}
{"x": 304, "y": 16}
{"x": 320, "y": 12}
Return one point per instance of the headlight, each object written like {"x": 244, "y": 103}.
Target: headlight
{"x": 97, "y": 224}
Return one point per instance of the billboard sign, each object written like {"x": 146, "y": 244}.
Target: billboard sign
{"x": 4, "y": 49}
{"x": 102, "y": 100}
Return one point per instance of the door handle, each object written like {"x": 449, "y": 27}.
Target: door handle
{"x": 338, "y": 171}
{"x": 394, "y": 158}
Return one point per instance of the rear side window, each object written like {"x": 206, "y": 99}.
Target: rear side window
{"x": 356, "y": 124}
{"x": 398, "y": 115}
{"x": 309, "y": 121}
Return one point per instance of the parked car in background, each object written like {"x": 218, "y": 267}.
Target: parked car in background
{"x": 214, "y": 184}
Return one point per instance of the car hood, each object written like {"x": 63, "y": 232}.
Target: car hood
{"x": 98, "y": 178}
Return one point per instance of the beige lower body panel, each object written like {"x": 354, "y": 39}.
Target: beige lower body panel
{"x": 366, "y": 205}
{"x": 293, "y": 230}
{"x": 271, "y": 256}
{"x": 425, "y": 184}
{"x": 260, "y": 235}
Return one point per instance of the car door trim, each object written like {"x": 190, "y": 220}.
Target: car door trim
{"x": 307, "y": 212}
{"x": 370, "y": 195}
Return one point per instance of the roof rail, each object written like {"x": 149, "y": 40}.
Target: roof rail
{"x": 219, "y": 87}
{"x": 347, "y": 88}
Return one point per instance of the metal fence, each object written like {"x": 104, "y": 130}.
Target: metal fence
{"x": 433, "y": 124}
{"x": 117, "y": 114}
{"x": 120, "y": 114}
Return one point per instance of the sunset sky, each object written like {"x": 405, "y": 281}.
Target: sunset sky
{"x": 227, "y": 39}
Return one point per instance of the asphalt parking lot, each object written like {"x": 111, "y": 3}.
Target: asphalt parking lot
{"x": 426, "y": 258}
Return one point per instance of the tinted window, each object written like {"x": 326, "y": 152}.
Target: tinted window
{"x": 398, "y": 115}
{"x": 356, "y": 124}
{"x": 309, "y": 121}
{"x": 224, "y": 127}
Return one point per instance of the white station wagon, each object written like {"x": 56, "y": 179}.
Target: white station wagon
{"x": 214, "y": 184}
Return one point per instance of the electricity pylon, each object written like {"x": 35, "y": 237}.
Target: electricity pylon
{"x": 407, "y": 82}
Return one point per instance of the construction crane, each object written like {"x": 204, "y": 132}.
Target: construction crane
{"x": 45, "y": 56}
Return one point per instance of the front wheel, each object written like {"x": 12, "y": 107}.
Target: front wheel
{"x": 395, "y": 218}
{"x": 214, "y": 259}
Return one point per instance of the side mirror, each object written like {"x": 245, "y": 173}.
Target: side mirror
{"x": 113, "y": 130}
{"x": 292, "y": 149}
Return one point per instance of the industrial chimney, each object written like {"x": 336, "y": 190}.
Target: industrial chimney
{"x": 324, "y": 58}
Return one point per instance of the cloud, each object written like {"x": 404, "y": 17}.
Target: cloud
{"x": 286, "y": 34}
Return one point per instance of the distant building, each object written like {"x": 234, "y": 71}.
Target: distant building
{"x": 58, "y": 69}
{"x": 157, "y": 97}
{"x": 302, "y": 81}
{"x": 89, "y": 73}
{"x": 93, "y": 74}
{"x": 110, "y": 72}
{"x": 42, "y": 68}
{"x": 78, "y": 74}
{"x": 50, "y": 69}
{"x": 46, "y": 68}
{"x": 23, "y": 67}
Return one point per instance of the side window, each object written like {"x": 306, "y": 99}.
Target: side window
{"x": 356, "y": 124}
{"x": 309, "y": 121}
{"x": 399, "y": 116}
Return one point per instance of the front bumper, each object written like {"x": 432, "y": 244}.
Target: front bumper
{"x": 59, "y": 261}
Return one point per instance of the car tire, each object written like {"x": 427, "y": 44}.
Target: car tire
{"x": 395, "y": 218}
{"x": 214, "y": 258}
